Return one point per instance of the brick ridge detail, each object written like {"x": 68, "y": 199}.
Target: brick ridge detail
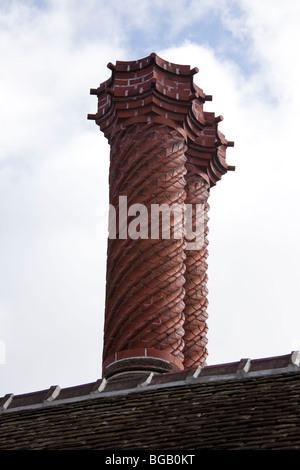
{"x": 235, "y": 371}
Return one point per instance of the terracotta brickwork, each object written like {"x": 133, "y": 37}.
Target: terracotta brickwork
{"x": 145, "y": 288}
{"x": 165, "y": 149}
{"x": 195, "y": 299}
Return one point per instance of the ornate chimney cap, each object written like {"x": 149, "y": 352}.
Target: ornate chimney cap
{"x": 153, "y": 90}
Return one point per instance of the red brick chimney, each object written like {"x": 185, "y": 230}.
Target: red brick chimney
{"x": 165, "y": 150}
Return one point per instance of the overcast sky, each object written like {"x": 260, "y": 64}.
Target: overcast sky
{"x": 54, "y": 174}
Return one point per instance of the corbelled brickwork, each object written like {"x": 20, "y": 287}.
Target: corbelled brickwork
{"x": 165, "y": 150}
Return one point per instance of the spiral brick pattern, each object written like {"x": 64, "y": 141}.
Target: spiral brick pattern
{"x": 144, "y": 298}
{"x": 196, "y": 302}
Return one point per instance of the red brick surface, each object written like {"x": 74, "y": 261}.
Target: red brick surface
{"x": 164, "y": 148}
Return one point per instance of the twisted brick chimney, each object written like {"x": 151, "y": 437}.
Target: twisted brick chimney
{"x": 165, "y": 150}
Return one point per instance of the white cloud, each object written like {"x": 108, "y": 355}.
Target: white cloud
{"x": 54, "y": 174}
{"x": 255, "y": 222}
{"x": 54, "y": 170}
{"x": 2, "y": 352}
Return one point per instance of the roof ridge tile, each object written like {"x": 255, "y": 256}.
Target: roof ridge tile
{"x": 238, "y": 370}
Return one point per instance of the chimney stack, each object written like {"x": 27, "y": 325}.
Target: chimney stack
{"x": 166, "y": 153}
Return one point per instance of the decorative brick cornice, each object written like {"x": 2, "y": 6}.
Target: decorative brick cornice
{"x": 152, "y": 90}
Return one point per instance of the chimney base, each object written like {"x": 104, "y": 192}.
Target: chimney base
{"x": 144, "y": 360}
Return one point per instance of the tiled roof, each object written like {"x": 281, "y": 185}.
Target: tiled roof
{"x": 241, "y": 405}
